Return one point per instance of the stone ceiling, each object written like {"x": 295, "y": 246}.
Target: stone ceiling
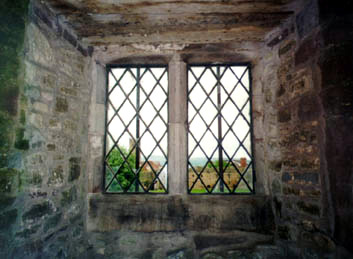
{"x": 106, "y": 22}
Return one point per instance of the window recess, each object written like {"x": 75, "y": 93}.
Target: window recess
{"x": 136, "y": 135}
{"x": 220, "y": 157}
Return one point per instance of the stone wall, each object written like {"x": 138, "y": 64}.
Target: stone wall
{"x": 44, "y": 103}
{"x": 298, "y": 131}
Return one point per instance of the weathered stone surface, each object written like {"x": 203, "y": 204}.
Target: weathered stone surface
{"x": 308, "y": 208}
{"x": 286, "y": 48}
{"x": 8, "y": 218}
{"x": 75, "y": 168}
{"x": 26, "y": 233}
{"x": 282, "y": 36}
{"x": 9, "y": 180}
{"x": 38, "y": 211}
{"x": 173, "y": 20}
{"x": 284, "y": 115}
{"x": 56, "y": 176}
{"x": 68, "y": 196}
{"x": 178, "y": 213}
{"x": 61, "y": 105}
{"x": 6, "y": 201}
{"x": 52, "y": 222}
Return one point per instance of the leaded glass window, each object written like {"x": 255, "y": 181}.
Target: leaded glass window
{"x": 220, "y": 159}
{"x": 136, "y": 139}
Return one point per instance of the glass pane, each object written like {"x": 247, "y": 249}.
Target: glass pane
{"x": 137, "y": 123}
{"x": 219, "y": 151}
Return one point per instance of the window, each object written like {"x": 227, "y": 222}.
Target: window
{"x": 220, "y": 157}
{"x": 136, "y": 140}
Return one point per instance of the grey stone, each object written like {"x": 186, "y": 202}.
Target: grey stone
{"x": 75, "y": 168}
{"x": 177, "y": 255}
{"x": 67, "y": 197}
{"x": 52, "y": 222}
{"x": 7, "y": 219}
{"x": 37, "y": 211}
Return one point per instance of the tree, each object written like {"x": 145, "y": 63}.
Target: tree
{"x": 125, "y": 168}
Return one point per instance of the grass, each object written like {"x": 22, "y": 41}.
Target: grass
{"x": 238, "y": 190}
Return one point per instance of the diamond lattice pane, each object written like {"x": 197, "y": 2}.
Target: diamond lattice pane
{"x": 219, "y": 132}
{"x": 137, "y": 122}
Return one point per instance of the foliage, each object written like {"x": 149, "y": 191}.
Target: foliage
{"x": 216, "y": 164}
{"x": 124, "y": 167}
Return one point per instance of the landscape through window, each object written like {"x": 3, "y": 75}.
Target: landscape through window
{"x": 136, "y": 130}
{"x": 220, "y": 159}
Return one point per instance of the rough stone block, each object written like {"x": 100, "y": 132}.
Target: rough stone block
{"x": 27, "y": 232}
{"x": 284, "y": 115}
{"x": 309, "y": 108}
{"x": 70, "y": 38}
{"x": 52, "y": 222}
{"x": 307, "y": 177}
{"x": 8, "y": 180}
{"x": 56, "y": 176}
{"x": 282, "y": 36}
{"x": 61, "y": 105}
{"x": 69, "y": 196}
{"x": 286, "y": 177}
{"x": 37, "y": 211}
{"x": 41, "y": 107}
{"x": 75, "y": 168}
{"x": 286, "y": 48}
{"x": 309, "y": 208}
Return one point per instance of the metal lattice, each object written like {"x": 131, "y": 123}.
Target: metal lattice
{"x": 220, "y": 157}
{"x": 136, "y": 139}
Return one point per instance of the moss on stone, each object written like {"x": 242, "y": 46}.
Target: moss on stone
{"x": 8, "y": 218}
{"x": 61, "y": 105}
{"x": 37, "y": 211}
{"x": 8, "y": 180}
{"x": 21, "y": 143}
{"x": 13, "y": 15}
{"x": 6, "y": 201}
{"x": 5, "y": 138}
{"x": 52, "y": 222}
{"x": 26, "y": 233}
{"x": 68, "y": 196}
{"x": 36, "y": 179}
{"x": 23, "y": 117}
{"x": 75, "y": 168}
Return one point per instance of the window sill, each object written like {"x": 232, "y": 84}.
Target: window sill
{"x": 166, "y": 213}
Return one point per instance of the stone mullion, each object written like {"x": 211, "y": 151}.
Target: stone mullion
{"x": 177, "y": 144}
